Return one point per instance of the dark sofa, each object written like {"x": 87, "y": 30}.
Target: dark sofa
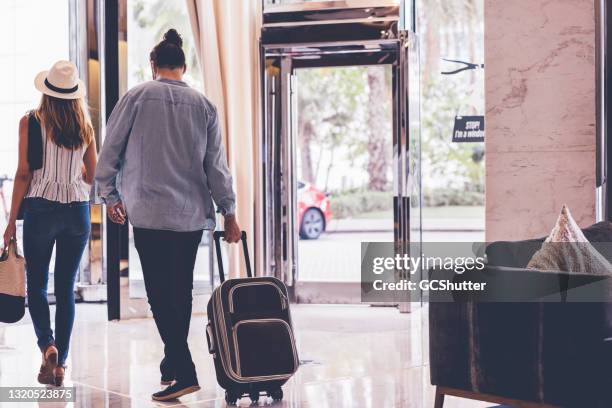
{"x": 524, "y": 354}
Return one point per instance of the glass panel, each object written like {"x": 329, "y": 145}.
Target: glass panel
{"x": 414, "y": 159}
{"x": 23, "y": 54}
{"x": 148, "y": 20}
{"x": 344, "y": 168}
{"x": 453, "y": 172}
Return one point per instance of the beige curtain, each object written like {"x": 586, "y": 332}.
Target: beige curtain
{"x": 226, "y": 38}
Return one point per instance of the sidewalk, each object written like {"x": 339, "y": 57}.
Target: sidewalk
{"x": 429, "y": 224}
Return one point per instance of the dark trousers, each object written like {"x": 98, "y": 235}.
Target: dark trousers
{"x": 48, "y": 223}
{"x": 168, "y": 259}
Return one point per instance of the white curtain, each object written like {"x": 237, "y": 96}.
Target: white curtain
{"x": 226, "y": 36}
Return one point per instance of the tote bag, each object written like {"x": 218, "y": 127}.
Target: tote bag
{"x": 12, "y": 285}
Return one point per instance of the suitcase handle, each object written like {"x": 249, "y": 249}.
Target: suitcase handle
{"x": 217, "y": 235}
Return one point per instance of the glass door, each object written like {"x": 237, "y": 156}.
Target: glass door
{"x": 336, "y": 163}
{"x": 344, "y": 167}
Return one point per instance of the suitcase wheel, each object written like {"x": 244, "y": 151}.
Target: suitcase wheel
{"x": 277, "y": 394}
{"x": 254, "y": 396}
{"x": 231, "y": 397}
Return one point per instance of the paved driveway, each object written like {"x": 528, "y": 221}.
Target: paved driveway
{"x": 336, "y": 256}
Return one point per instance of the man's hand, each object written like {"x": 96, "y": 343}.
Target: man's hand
{"x": 232, "y": 230}
{"x": 116, "y": 213}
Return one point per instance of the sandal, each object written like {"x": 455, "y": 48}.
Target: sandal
{"x": 58, "y": 375}
{"x": 49, "y": 363}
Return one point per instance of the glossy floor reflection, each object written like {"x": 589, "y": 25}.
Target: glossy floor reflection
{"x": 353, "y": 356}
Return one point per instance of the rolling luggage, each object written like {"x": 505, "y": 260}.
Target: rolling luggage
{"x": 249, "y": 333}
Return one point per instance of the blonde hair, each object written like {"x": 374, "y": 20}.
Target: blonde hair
{"x": 66, "y": 121}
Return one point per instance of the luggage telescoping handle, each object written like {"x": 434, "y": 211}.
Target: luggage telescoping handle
{"x": 217, "y": 235}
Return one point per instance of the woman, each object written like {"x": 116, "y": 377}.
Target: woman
{"x": 56, "y": 208}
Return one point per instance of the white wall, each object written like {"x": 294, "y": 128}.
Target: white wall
{"x": 34, "y": 34}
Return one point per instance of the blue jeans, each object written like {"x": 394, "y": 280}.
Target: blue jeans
{"x": 67, "y": 226}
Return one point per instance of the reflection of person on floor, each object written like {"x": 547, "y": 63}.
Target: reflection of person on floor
{"x": 161, "y": 166}
{"x": 57, "y": 160}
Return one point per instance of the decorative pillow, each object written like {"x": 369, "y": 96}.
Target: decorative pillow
{"x": 567, "y": 249}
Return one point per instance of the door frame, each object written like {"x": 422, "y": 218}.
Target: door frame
{"x": 278, "y": 184}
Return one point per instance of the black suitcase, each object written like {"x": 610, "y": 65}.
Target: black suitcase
{"x": 249, "y": 333}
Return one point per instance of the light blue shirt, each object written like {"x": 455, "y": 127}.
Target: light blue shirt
{"x": 164, "y": 158}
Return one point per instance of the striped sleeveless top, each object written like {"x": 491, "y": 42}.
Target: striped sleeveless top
{"x": 60, "y": 178}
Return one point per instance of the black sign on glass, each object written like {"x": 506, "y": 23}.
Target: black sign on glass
{"x": 469, "y": 129}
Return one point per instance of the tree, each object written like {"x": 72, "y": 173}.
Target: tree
{"x": 378, "y": 139}
{"x": 331, "y": 119}
{"x": 306, "y": 135}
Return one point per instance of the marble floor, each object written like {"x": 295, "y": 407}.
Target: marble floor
{"x": 353, "y": 356}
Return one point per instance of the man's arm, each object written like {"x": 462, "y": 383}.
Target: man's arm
{"x": 217, "y": 170}
{"x": 111, "y": 157}
{"x": 220, "y": 179}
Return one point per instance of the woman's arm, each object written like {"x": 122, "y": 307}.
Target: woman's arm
{"x": 23, "y": 177}
{"x": 90, "y": 160}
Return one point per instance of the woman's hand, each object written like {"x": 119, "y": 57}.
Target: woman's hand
{"x": 232, "y": 230}
{"x": 10, "y": 233}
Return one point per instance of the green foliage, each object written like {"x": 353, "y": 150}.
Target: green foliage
{"x": 356, "y": 203}
{"x": 350, "y": 204}
{"x": 451, "y": 29}
{"x": 441, "y": 197}
{"x": 334, "y": 102}
{"x": 446, "y": 164}
{"x": 158, "y": 16}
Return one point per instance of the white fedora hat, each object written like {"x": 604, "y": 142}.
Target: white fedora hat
{"x": 61, "y": 81}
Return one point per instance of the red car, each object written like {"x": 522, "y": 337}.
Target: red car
{"x": 313, "y": 210}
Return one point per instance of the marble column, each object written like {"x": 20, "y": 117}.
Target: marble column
{"x": 540, "y": 115}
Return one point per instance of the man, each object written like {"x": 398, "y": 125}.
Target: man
{"x": 163, "y": 152}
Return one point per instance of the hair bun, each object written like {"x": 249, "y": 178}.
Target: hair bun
{"x": 173, "y": 37}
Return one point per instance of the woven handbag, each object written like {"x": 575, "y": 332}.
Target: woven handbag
{"x": 12, "y": 285}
